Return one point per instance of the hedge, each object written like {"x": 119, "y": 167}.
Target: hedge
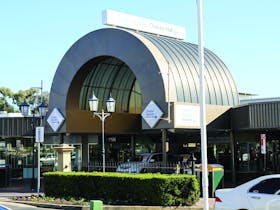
{"x": 121, "y": 188}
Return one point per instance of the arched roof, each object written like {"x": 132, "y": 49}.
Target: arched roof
{"x": 153, "y": 60}
{"x": 183, "y": 60}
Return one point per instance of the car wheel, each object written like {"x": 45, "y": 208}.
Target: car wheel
{"x": 144, "y": 170}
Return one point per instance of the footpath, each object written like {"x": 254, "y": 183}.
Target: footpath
{"x": 22, "y": 189}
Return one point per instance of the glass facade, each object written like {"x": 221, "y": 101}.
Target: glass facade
{"x": 250, "y": 158}
{"x": 111, "y": 75}
{"x": 17, "y": 152}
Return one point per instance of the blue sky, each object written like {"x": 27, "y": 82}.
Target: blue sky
{"x": 244, "y": 34}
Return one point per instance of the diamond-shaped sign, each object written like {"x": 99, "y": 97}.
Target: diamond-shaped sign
{"x": 152, "y": 114}
{"x": 55, "y": 119}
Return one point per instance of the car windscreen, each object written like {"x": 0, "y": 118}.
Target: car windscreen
{"x": 269, "y": 186}
{"x": 145, "y": 157}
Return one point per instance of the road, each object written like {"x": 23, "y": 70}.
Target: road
{"x": 18, "y": 206}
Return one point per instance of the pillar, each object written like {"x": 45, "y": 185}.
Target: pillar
{"x": 163, "y": 138}
{"x": 64, "y": 157}
{"x": 232, "y": 148}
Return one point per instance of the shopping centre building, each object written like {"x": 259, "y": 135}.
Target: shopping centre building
{"x": 154, "y": 80}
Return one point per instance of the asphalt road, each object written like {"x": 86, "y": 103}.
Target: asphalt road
{"x": 18, "y": 206}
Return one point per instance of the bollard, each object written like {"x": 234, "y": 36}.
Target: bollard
{"x": 177, "y": 168}
{"x": 192, "y": 159}
{"x": 96, "y": 205}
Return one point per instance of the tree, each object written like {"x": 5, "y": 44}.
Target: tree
{"x": 10, "y": 101}
{"x": 5, "y": 98}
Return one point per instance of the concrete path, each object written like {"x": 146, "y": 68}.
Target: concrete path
{"x": 22, "y": 188}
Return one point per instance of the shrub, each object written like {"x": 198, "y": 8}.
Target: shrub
{"x": 120, "y": 188}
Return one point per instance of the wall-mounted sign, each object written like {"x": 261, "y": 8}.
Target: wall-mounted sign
{"x": 152, "y": 114}
{"x": 3, "y": 146}
{"x": 112, "y": 139}
{"x": 186, "y": 116}
{"x": 39, "y": 134}
{"x": 55, "y": 119}
{"x": 114, "y": 18}
{"x": 263, "y": 144}
{"x": 189, "y": 145}
{"x": 18, "y": 143}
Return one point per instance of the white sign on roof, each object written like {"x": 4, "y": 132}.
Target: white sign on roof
{"x": 152, "y": 114}
{"x": 55, "y": 119}
{"x": 113, "y": 18}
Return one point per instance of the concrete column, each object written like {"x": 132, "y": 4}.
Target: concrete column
{"x": 132, "y": 147}
{"x": 163, "y": 138}
{"x": 85, "y": 157}
{"x": 232, "y": 147}
{"x": 64, "y": 157}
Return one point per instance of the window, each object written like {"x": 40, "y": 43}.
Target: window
{"x": 157, "y": 157}
{"x": 269, "y": 186}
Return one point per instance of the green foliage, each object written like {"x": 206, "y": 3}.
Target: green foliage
{"x": 5, "y": 95}
{"x": 120, "y": 188}
{"x": 25, "y": 95}
{"x": 45, "y": 199}
{"x": 10, "y": 101}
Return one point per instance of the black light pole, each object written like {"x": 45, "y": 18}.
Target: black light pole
{"x": 43, "y": 111}
{"x": 24, "y": 109}
{"x": 33, "y": 184}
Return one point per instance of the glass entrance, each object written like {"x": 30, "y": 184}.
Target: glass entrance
{"x": 273, "y": 156}
{"x": 76, "y": 158}
{"x": 250, "y": 159}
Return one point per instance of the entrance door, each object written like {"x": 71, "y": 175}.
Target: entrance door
{"x": 273, "y": 156}
{"x": 76, "y": 158}
{"x": 248, "y": 157}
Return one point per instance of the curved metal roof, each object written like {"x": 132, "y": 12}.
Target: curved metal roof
{"x": 184, "y": 70}
{"x": 116, "y": 60}
{"x": 111, "y": 75}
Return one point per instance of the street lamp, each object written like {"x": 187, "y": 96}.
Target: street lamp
{"x": 42, "y": 110}
{"x": 93, "y": 106}
{"x": 24, "y": 109}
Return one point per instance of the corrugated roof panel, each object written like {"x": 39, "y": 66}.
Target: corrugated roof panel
{"x": 109, "y": 75}
{"x": 183, "y": 59}
{"x": 165, "y": 49}
{"x": 112, "y": 59}
{"x": 264, "y": 115}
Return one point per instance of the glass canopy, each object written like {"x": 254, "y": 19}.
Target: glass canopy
{"x": 111, "y": 75}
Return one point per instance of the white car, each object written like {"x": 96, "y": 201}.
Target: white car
{"x": 48, "y": 160}
{"x": 149, "y": 162}
{"x": 262, "y": 193}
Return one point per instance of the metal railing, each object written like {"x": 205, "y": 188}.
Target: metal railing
{"x": 110, "y": 166}
{"x": 138, "y": 167}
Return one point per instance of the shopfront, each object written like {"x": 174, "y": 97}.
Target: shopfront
{"x": 141, "y": 71}
{"x": 154, "y": 80}
{"x": 237, "y": 145}
{"x": 256, "y": 128}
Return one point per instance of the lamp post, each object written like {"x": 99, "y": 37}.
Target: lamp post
{"x": 43, "y": 111}
{"x": 24, "y": 108}
{"x": 93, "y": 106}
{"x": 203, "y": 132}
